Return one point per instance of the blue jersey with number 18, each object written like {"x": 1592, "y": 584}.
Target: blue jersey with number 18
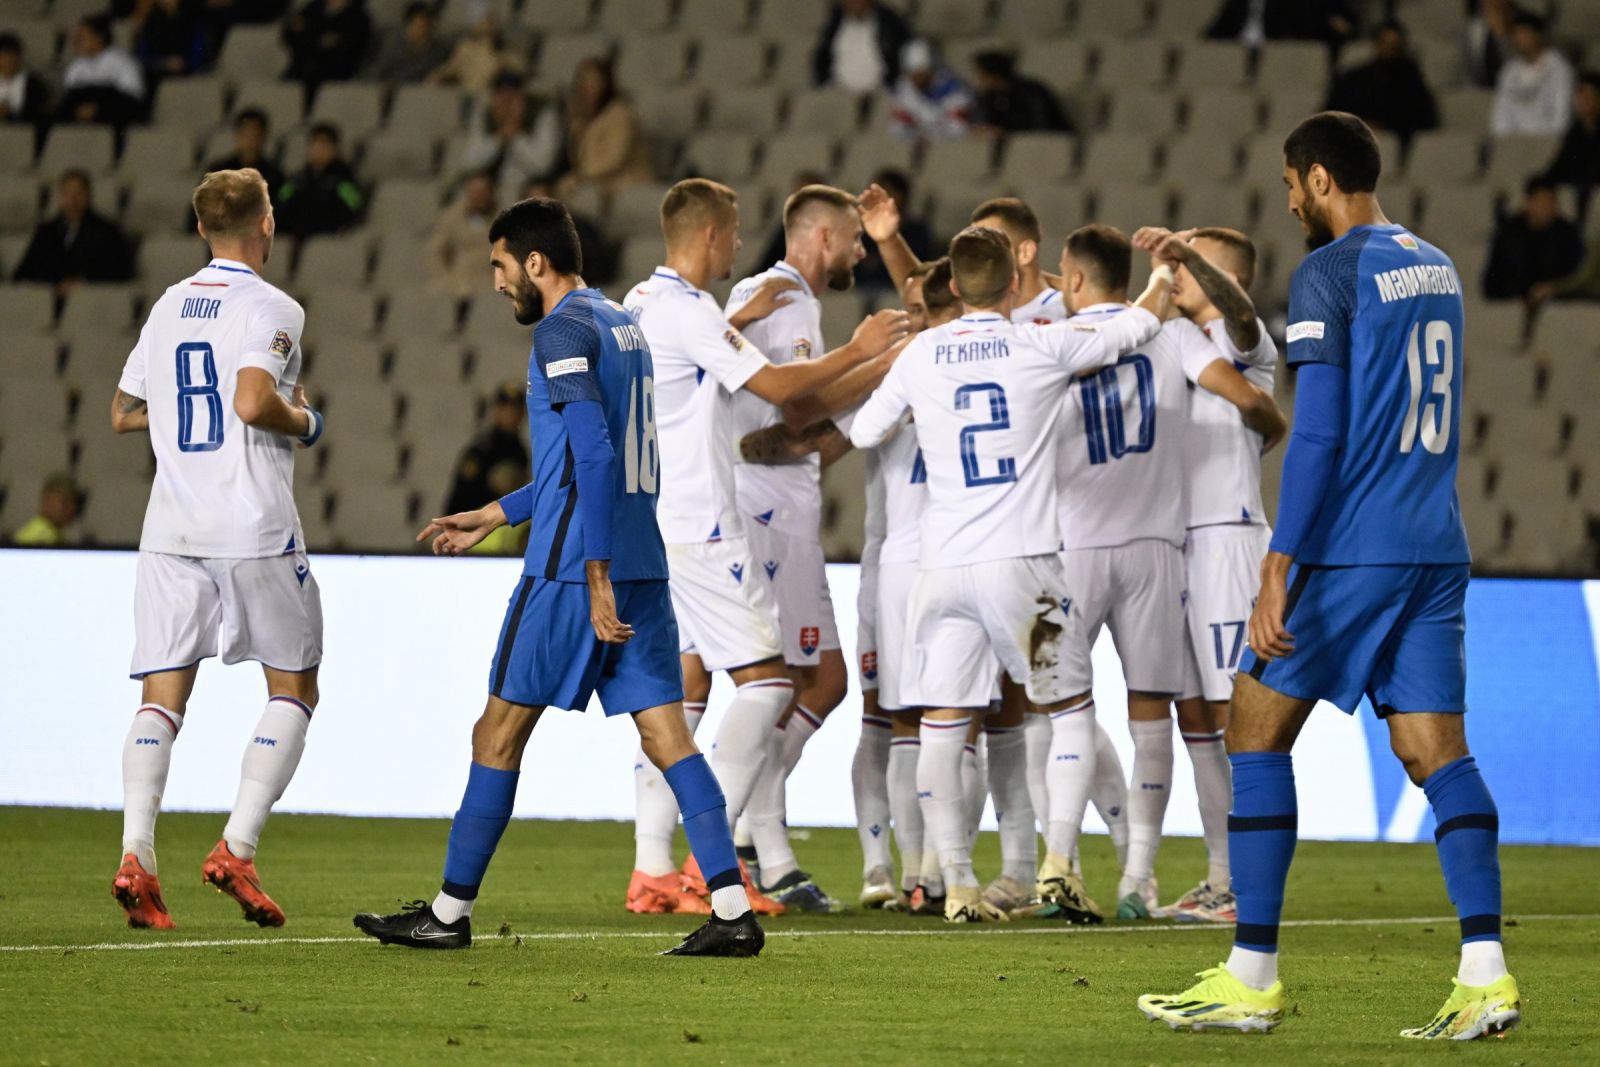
{"x": 1385, "y": 305}
{"x": 588, "y": 348}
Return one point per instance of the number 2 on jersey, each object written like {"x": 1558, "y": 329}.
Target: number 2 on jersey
{"x": 192, "y": 395}
{"x": 640, "y": 459}
{"x": 1438, "y": 349}
{"x": 999, "y": 419}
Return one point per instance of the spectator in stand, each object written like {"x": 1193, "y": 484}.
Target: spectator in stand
{"x": 323, "y": 197}
{"x": 512, "y": 137}
{"x": 1008, "y": 102}
{"x": 414, "y": 52}
{"x": 1577, "y": 162}
{"x": 1389, "y": 91}
{"x": 859, "y": 48}
{"x": 606, "y": 146}
{"x": 1253, "y": 22}
{"x": 60, "y": 503}
{"x": 872, "y": 277}
{"x": 76, "y": 244}
{"x": 929, "y": 103}
{"x": 1582, "y": 284}
{"x": 1535, "y": 245}
{"x": 103, "y": 83}
{"x": 599, "y": 252}
{"x": 1533, "y": 95}
{"x": 169, "y": 37}
{"x": 459, "y": 236}
{"x": 23, "y": 96}
{"x": 327, "y": 40}
{"x": 493, "y": 464}
{"x": 777, "y": 243}
{"x": 250, "y": 150}
{"x": 478, "y": 59}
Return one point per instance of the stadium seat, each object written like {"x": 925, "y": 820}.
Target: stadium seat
{"x": 1182, "y": 20}
{"x": 282, "y": 102}
{"x": 412, "y": 315}
{"x": 1060, "y": 209}
{"x": 334, "y": 260}
{"x": 444, "y": 415}
{"x": 1047, "y": 156}
{"x": 373, "y": 458}
{"x": 1214, "y": 204}
{"x": 1466, "y": 110}
{"x": 711, "y": 17}
{"x": 619, "y": 17}
{"x": 726, "y": 156}
{"x": 103, "y": 455}
{"x": 355, "y": 109}
{"x": 799, "y": 19}
{"x": 958, "y": 161}
{"x": 841, "y": 314}
{"x": 1128, "y": 206}
{"x": 399, "y": 153}
{"x": 648, "y": 63}
{"x": 1567, "y": 332}
{"x": 194, "y": 104}
{"x": 953, "y": 19}
{"x": 1522, "y": 431}
{"x": 29, "y": 405}
{"x": 404, "y": 206}
{"x": 399, "y": 255}
{"x": 427, "y": 111}
{"x": 374, "y": 517}
{"x": 113, "y": 514}
{"x": 1498, "y": 325}
{"x": 1210, "y": 65}
{"x": 1223, "y": 112}
{"x": 1485, "y": 521}
{"x": 1063, "y": 63}
{"x": 1126, "y": 64}
{"x": 1201, "y": 156}
{"x": 641, "y": 254}
{"x": 19, "y": 206}
{"x": 250, "y": 52}
{"x": 729, "y": 62}
{"x": 751, "y": 110}
{"x": 166, "y": 257}
{"x": 1446, "y": 157}
{"x": 311, "y": 502}
{"x": 16, "y": 149}
{"x": 160, "y": 205}
{"x": 560, "y": 54}
{"x": 787, "y": 154}
{"x": 835, "y": 112}
{"x": 1512, "y": 160}
{"x": 90, "y": 148}
{"x": 1453, "y": 216}
{"x": 1027, "y": 19}
{"x": 1117, "y": 158}
{"x": 344, "y": 310}
{"x": 1110, "y": 18}
{"x": 867, "y": 153}
{"x": 1568, "y": 375}
{"x": 953, "y": 203}
{"x": 1493, "y": 377}
{"x": 97, "y": 309}
{"x": 637, "y": 209}
{"x": 157, "y": 151}
{"x": 1142, "y": 111}
{"x": 1286, "y": 105}
{"x": 1441, "y": 62}
{"x": 40, "y": 38}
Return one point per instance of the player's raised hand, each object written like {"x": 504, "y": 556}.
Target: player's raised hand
{"x": 881, "y": 329}
{"x": 1270, "y": 639}
{"x": 880, "y": 215}
{"x": 1163, "y": 245}
{"x": 458, "y": 533}
{"x": 603, "y": 604}
{"x": 767, "y": 299}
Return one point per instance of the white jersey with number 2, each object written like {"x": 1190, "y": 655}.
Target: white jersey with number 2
{"x": 222, "y": 489}
{"x": 986, "y": 396}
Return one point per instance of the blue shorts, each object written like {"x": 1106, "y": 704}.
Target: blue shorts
{"x": 1394, "y": 633}
{"x": 548, "y": 655}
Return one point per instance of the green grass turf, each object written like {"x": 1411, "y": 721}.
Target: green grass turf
{"x": 1030, "y": 992}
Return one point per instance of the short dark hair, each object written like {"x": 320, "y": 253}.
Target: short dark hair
{"x": 983, "y": 265}
{"x": 10, "y": 42}
{"x": 75, "y": 174}
{"x": 892, "y": 178}
{"x": 810, "y": 199}
{"x": 1524, "y": 17}
{"x": 324, "y": 129}
{"x": 1242, "y": 248}
{"x": 251, "y": 114}
{"x": 1342, "y": 144}
{"x": 418, "y": 7}
{"x": 1538, "y": 183}
{"x": 540, "y": 224}
{"x": 1390, "y": 24}
{"x": 1019, "y": 218}
{"x": 1104, "y": 254}
{"x": 936, "y": 292}
{"x": 996, "y": 63}
{"x": 99, "y": 25}
{"x": 1591, "y": 78}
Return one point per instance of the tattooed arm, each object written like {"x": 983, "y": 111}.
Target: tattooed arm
{"x": 129, "y": 414}
{"x": 1224, "y": 292}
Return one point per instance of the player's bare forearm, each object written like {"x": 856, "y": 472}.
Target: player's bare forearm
{"x": 1269, "y": 636}
{"x": 839, "y": 395}
{"x": 260, "y": 406}
{"x": 773, "y": 446}
{"x": 1229, "y": 297}
{"x": 898, "y": 259}
{"x": 129, "y": 414}
{"x": 1157, "y": 295}
{"x": 831, "y": 445}
{"x": 1266, "y": 418}
{"x": 603, "y": 603}
{"x": 454, "y": 534}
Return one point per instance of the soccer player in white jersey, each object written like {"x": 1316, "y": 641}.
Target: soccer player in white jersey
{"x": 222, "y": 561}
{"x": 726, "y": 617}
{"x": 1227, "y": 531}
{"x": 989, "y": 595}
{"x": 1122, "y": 523}
{"x": 782, "y": 502}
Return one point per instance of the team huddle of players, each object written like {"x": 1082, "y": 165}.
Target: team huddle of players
{"x": 1045, "y": 458}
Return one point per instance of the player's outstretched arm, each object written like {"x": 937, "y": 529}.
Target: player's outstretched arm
{"x": 259, "y": 405}
{"x": 812, "y": 390}
{"x": 129, "y": 414}
{"x": 1257, "y": 409}
{"x": 880, "y": 217}
{"x": 454, "y": 534}
{"x": 855, "y": 385}
{"x": 1224, "y": 292}
{"x": 775, "y": 445}
{"x": 767, "y": 299}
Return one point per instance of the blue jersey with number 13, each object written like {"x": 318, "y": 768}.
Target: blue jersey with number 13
{"x": 1385, "y": 306}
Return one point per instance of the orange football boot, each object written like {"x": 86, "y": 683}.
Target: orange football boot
{"x": 661, "y": 894}
{"x": 760, "y": 903}
{"x": 238, "y": 879}
{"x": 139, "y": 893}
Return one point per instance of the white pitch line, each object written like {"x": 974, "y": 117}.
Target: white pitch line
{"x": 1063, "y": 930}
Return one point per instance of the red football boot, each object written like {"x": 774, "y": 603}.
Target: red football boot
{"x": 760, "y": 903}
{"x": 238, "y": 879}
{"x": 139, "y": 893}
{"x": 663, "y": 894}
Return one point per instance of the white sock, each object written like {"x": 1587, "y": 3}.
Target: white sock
{"x": 1258, "y": 970}
{"x": 655, "y": 809}
{"x": 449, "y": 909}
{"x": 1036, "y": 732}
{"x": 944, "y": 801}
{"x": 741, "y": 744}
{"x": 1013, "y": 808}
{"x": 869, "y": 782}
{"x": 765, "y": 813}
{"x": 269, "y": 763}
{"x": 802, "y": 726}
{"x": 905, "y": 813}
{"x": 1213, "y": 782}
{"x": 1110, "y": 792}
{"x": 1069, "y": 774}
{"x": 1482, "y": 962}
{"x": 1148, "y": 793}
{"x": 146, "y": 758}
{"x": 974, "y": 786}
{"x": 730, "y": 902}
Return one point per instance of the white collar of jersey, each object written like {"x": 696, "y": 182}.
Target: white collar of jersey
{"x": 672, "y": 275}
{"x": 1103, "y": 309}
{"x": 783, "y": 268}
{"x": 983, "y": 316}
{"x": 231, "y": 265}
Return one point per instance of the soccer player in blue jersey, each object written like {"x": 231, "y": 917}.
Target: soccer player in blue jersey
{"x": 591, "y": 614}
{"x": 1364, "y": 588}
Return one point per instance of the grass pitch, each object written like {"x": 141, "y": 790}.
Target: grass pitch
{"x": 575, "y": 978}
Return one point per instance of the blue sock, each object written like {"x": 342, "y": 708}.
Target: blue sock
{"x": 705, "y": 820}
{"x": 1261, "y": 837}
{"x": 1468, "y": 839}
{"x": 479, "y": 822}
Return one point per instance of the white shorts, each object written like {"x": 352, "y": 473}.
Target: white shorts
{"x": 969, "y": 623}
{"x": 895, "y": 581}
{"x": 1137, "y": 590}
{"x": 1224, "y": 569}
{"x": 725, "y": 615}
{"x": 867, "y": 623}
{"x": 796, "y": 574}
{"x": 186, "y": 610}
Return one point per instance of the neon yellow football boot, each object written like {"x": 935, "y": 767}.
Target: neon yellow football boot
{"x": 1474, "y": 1011}
{"x": 1219, "y": 1001}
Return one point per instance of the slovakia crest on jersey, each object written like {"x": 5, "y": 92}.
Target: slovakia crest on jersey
{"x": 869, "y": 666}
{"x": 810, "y": 638}
{"x": 801, "y": 349}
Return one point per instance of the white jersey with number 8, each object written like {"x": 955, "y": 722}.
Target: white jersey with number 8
{"x": 222, "y": 489}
